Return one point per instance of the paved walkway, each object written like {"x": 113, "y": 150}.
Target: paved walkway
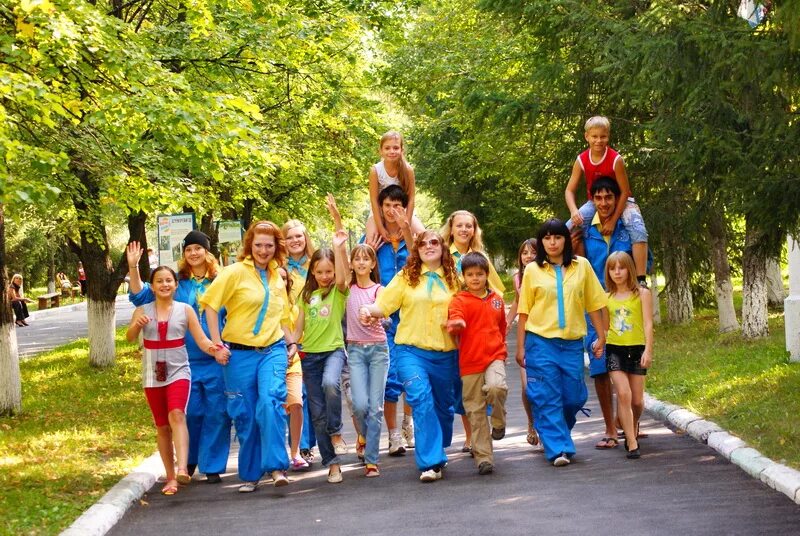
{"x": 678, "y": 486}
{"x": 53, "y": 327}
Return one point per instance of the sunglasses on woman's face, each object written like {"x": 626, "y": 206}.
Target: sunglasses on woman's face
{"x": 433, "y": 242}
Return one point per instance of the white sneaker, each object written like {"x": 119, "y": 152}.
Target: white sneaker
{"x": 248, "y": 487}
{"x": 431, "y": 475}
{"x": 279, "y": 479}
{"x": 396, "y": 447}
{"x": 340, "y": 448}
{"x": 561, "y": 461}
{"x": 335, "y": 477}
{"x": 408, "y": 433}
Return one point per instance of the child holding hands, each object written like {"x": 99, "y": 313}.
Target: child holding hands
{"x": 629, "y": 345}
{"x": 477, "y": 315}
{"x": 165, "y": 369}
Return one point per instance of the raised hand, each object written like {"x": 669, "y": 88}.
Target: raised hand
{"x": 333, "y": 209}
{"x": 340, "y": 238}
{"x": 133, "y": 253}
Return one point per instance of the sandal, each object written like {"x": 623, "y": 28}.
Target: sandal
{"x": 170, "y": 488}
{"x": 607, "y": 443}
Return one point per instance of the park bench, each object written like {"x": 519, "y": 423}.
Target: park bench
{"x": 49, "y": 300}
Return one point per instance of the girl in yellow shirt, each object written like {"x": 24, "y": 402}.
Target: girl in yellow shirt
{"x": 425, "y": 352}
{"x": 629, "y": 348}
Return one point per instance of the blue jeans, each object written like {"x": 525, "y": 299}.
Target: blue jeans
{"x": 428, "y": 383}
{"x": 369, "y": 363}
{"x": 255, "y": 384}
{"x": 394, "y": 387}
{"x": 322, "y": 374}
{"x": 555, "y": 389}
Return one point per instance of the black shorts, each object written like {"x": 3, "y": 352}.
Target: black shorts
{"x": 625, "y": 358}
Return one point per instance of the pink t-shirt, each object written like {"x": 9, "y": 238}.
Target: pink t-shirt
{"x": 356, "y": 331}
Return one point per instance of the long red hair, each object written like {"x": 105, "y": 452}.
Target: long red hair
{"x": 266, "y": 228}
{"x": 413, "y": 268}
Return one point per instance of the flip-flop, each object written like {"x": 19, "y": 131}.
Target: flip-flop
{"x": 169, "y": 489}
{"x": 607, "y": 443}
{"x": 183, "y": 477}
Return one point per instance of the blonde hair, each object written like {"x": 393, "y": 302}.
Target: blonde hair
{"x": 402, "y": 173}
{"x": 291, "y": 224}
{"x": 475, "y": 243}
{"x": 617, "y": 258}
{"x": 597, "y": 121}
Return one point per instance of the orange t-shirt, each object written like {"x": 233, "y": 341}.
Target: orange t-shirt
{"x": 484, "y": 338}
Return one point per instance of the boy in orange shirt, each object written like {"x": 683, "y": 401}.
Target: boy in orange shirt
{"x": 477, "y": 315}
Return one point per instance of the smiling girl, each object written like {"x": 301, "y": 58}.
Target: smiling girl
{"x": 165, "y": 369}
{"x": 322, "y": 308}
{"x": 206, "y": 416}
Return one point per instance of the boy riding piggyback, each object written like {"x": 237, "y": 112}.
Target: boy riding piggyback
{"x": 597, "y": 161}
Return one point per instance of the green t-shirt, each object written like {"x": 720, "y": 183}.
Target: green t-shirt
{"x": 322, "y": 330}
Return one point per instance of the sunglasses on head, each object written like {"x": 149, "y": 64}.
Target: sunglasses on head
{"x": 433, "y": 242}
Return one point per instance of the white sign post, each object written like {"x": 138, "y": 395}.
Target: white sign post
{"x": 791, "y": 305}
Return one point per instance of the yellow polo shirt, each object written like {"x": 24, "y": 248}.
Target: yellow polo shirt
{"x": 538, "y": 299}
{"x": 495, "y": 282}
{"x": 238, "y": 288}
{"x": 597, "y": 223}
{"x": 422, "y": 317}
{"x": 298, "y": 281}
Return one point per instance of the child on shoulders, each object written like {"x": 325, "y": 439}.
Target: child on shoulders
{"x": 597, "y": 161}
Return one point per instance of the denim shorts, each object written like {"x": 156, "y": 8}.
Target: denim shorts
{"x": 631, "y": 219}
{"x": 625, "y": 359}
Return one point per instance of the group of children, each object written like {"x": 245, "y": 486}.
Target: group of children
{"x": 318, "y": 315}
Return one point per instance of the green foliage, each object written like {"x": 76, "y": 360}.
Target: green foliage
{"x": 702, "y": 108}
{"x": 58, "y": 459}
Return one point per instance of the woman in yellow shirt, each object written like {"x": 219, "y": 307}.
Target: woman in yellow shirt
{"x": 425, "y": 351}
{"x": 257, "y": 333}
{"x": 555, "y": 291}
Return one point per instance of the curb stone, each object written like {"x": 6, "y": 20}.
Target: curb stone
{"x": 105, "y": 513}
{"x": 775, "y": 475}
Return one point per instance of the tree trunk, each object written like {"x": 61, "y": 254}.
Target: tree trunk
{"x": 754, "y": 290}
{"x": 775, "y": 292}
{"x": 102, "y": 317}
{"x": 247, "y": 212}
{"x": 678, "y": 287}
{"x": 656, "y": 295}
{"x": 10, "y": 385}
{"x": 102, "y": 278}
{"x": 51, "y": 271}
{"x": 723, "y": 288}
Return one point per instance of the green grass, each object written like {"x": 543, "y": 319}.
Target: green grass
{"x": 34, "y": 293}
{"x": 81, "y": 430}
{"x": 748, "y": 387}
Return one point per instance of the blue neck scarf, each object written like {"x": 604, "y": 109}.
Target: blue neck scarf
{"x": 562, "y": 321}
{"x": 297, "y": 266}
{"x": 434, "y": 277}
{"x": 265, "y": 304}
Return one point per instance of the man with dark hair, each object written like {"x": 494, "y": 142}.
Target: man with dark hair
{"x": 598, "y": 247}
{"x": 391, "y": 259}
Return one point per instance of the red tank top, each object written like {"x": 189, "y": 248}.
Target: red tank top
{"x": 593, "y": 171}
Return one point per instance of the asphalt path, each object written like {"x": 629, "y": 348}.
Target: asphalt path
{"x": 53, "y": 327}
{"x": 679, "y": 486}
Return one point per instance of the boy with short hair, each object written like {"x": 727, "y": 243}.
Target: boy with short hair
{"x": 597, "y": 161}
{"x": 477, "y": 315}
